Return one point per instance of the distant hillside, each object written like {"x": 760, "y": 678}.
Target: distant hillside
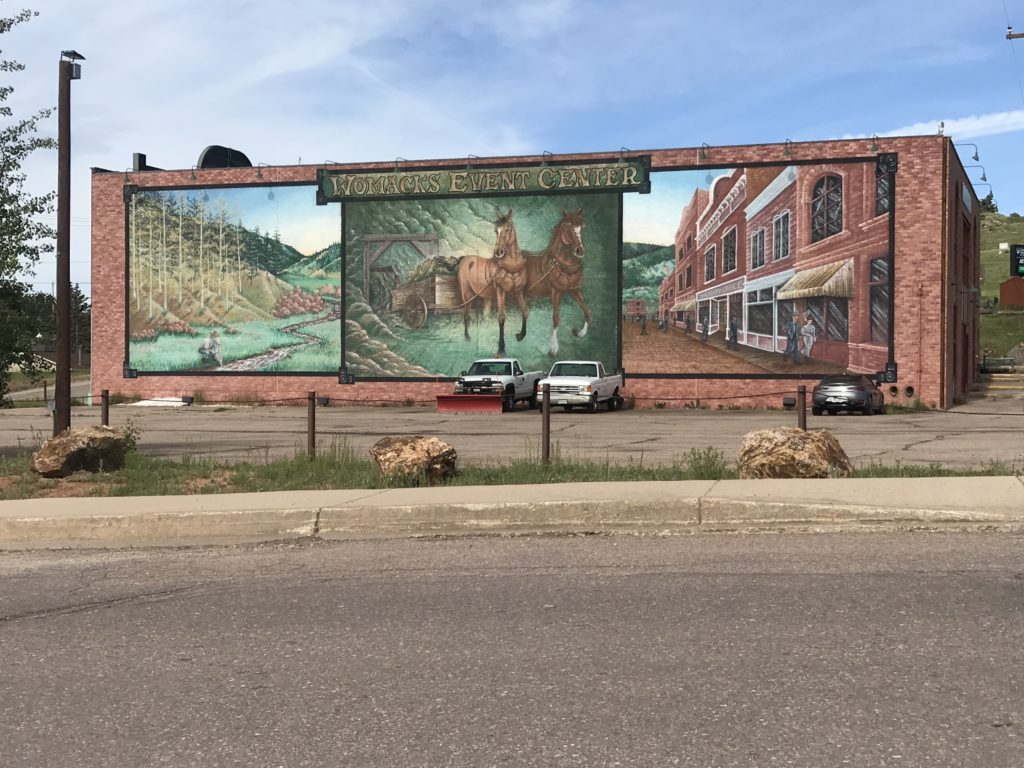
{"x": 644, "y": 266}
{"x": 995, "y": 265}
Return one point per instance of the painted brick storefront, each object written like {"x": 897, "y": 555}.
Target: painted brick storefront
{"x": 935, "y": 262}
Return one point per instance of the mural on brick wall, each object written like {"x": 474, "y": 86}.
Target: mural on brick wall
{"x": 432, "y": 284}
{"x": 242, "y": 279}
{"x": 758, "y": 270}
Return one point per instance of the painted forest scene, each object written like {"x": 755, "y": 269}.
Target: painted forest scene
{"x": 233, "y": 280}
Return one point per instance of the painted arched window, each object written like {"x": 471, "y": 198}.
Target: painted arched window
{"x": 827, "y": 208}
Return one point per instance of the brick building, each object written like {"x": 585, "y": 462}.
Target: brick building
{"x": 780, "y": 229}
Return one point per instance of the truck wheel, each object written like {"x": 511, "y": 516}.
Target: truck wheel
{"x": 613, "y": 401}
{"x": 592, "y": 406}
{"x": 533, "y": 401}
{"x": 567, "y": 408}
{"x": 508, "y": 402}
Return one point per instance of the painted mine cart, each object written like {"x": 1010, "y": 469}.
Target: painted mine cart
{"x": 434, "y": 295}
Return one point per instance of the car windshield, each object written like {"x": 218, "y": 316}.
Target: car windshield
{"x": 490, "y": 368}
{"x": 574, "y": 369}
{"x": 847, "y": 381}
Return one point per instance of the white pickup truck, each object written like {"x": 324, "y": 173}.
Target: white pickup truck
{"x": 500, "y": 376}
{"x": 584, "y": 383}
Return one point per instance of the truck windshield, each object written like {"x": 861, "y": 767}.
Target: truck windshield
{"x": 574, "y": 369}
{"x": 492, "y": 368}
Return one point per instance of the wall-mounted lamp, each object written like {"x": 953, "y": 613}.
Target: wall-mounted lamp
{"x": 469, "y": 160}
{"x": 127, "y": 179}
{"x": 194, "y": 173}
{"x": 702, "y": 154}
{"x": 983, "y": 176}
{"x": 785, "y": 148}
{"x": 874, "y": 144}
{"x": 974, "y": 157}
{"x": 259, "y": 169}
{"x": 399, "y": 160}
{"x": 544, "y": 157}
{"x": 622, "y": 154}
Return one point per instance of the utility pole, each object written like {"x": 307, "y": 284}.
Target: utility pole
{"x": 70, "y": 70}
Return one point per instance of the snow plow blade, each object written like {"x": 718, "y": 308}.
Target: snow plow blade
{"x": 469, "y": 403}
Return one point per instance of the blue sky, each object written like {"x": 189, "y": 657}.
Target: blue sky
{"x": 358, "y": 81}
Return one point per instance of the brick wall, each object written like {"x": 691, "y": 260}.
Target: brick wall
{"x": 923, "y": 327}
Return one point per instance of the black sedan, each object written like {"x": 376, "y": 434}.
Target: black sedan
{"x": 848, "y": 392}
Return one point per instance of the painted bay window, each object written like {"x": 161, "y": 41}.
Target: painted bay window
{"x": 831, "y": 316}
{"x": 882, "y": 186}
{"x": 757, "y": 249}
{"x": 729, "y": 251}
{"x": 827, "y": 208}
{"x": 879, "y": 284}
{"x": 780, "y": 236}
{"x": 759, "y": 311}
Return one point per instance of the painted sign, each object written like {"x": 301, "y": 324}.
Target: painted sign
{"x": 623, "y": 176}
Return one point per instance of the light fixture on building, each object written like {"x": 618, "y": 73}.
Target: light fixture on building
{"x": 703, "y": 153}
{"x": 543, "y": 158}
{"x": 874, "y": 144}
{"x": 983, "y": 176}
{"x": 399, "y": 160}
{"x": 974, "y": 157}
{"x": 785, "y": 148}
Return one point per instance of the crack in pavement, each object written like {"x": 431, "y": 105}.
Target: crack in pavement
{"x": 45, "y": 613}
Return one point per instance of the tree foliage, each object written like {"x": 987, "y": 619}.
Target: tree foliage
{"x": 23, "y": 237}
{"x": 988, "y": 204}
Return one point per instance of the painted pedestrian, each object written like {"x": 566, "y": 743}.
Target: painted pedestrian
{"x": 793, "y": 338}
{"x": 809, "y": 332}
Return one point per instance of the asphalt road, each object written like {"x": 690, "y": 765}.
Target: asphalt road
{"x": 983, "y": 432}
{"x": 704, "y": 650}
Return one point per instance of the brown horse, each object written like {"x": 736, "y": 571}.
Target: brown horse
{"x": 558, "y": 269}
{"x": 495, "y": 278}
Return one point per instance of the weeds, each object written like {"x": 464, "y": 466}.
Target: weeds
{"x": 340, "y": 466}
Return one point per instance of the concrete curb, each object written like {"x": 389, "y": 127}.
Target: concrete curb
{"x": 654, "y": 507}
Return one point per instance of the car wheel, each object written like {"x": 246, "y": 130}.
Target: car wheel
{"x": 592, "y": 406}
{"x": 816, "y": 411}
{"x": 567, "y": 408}
{"x": 881, "y": 410}
{"x": 533, "y": 401}
{"x": 868, "y": 409}
{"x": 613, "y": 401}
{"x": 832, "y": 411}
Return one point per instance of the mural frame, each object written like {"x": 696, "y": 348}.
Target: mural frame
{"x": 128, "y": 372}
{"x": 889, "y": 162}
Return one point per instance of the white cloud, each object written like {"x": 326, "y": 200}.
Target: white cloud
{"x": 967, "y": 127}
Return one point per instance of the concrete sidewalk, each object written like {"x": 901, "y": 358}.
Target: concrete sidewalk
{"x": 650, "y": 507}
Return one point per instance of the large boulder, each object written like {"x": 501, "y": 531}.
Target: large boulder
{"x": 792, "y": 452}
{"x": 85, "y": 448}
{"x": 414, "y": 457}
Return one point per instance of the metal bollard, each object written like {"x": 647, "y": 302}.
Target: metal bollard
{"x": 311, "y": 424}
{"x": 545, "y": 425}
{"x": 105, "y": 407}
{"x": 801, "y": 407}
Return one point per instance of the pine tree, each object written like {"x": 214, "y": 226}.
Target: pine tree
{"x": 23, "y": 238}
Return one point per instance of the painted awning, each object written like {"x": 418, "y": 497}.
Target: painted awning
{"x": 827, "y": 280}
{"x": 683, "y": 306}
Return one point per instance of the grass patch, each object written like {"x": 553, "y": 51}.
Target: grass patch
{"x": 989, "y": 469}
{"x": 339, "y": 467}
{"x": 1000, "y": 333}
